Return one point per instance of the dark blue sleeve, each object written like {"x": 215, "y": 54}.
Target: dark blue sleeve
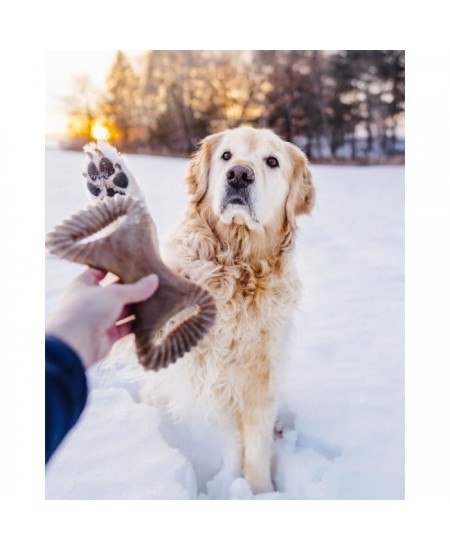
{"x": 65, "y": 392}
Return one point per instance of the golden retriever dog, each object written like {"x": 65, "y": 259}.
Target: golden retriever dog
{"x": 246, "y": 187}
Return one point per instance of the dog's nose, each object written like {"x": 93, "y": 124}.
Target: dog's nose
{"x": 240, "y": 176}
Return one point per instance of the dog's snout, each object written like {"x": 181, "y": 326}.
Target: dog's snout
{"x": 240, "y": 176}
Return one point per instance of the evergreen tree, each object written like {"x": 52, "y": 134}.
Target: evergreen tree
{"x": 121, "y": 103}
{"x": 332, "y": 103}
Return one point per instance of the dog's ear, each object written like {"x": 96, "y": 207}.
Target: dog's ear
{"x": 198, "y": 168}
{"x": 301, "y": 194}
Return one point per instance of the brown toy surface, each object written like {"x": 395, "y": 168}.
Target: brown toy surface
{"x": 131, "y": 251}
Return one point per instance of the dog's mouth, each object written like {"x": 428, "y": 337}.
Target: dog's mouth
{"x": 237, "y": 200}
{"x": 243, "y": 200}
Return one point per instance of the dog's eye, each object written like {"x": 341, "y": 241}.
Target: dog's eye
{"x": 272, "y": 162}
{"x": 226, "y": 155}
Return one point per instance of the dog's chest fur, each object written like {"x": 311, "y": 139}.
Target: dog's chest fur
{"x": 254, "y": 307}
{"x": 254, "y": 302}
{"x": 252, "y": 310}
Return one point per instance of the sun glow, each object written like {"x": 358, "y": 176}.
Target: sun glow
{"x": 100, "y": 132}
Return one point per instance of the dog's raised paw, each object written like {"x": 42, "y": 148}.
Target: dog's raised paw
{"x": 106, "y": 174}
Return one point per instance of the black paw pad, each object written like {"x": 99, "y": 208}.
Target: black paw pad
{"x": 121, "y": 180}
{"x": 111, "y": 192}
{"x": 93, "y": 172}
{"x": 93, "y": 189}
{"x": 106, "y": 168}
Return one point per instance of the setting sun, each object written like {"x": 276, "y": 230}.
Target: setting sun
{"x": 100, "y": 132}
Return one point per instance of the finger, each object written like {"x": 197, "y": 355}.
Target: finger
{"x": 91, "y": 276}
{"x": 119, "y": 331}
{"x": 128, "y": 319}
{"x": 110, "y": 279}
{"x": 139, "y": 291}
{"x": 124, "y": 314}
{"x": 116, "y": 332}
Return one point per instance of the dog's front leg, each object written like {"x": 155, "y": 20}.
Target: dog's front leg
{"x": 256, "y": 430}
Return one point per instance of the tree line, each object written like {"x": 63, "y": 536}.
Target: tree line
{"x": 337, "y": 105}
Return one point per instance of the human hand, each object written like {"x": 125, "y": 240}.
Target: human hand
{"x": 88, "y": 313}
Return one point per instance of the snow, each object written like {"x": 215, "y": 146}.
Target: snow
{"x": 343, "y": 382}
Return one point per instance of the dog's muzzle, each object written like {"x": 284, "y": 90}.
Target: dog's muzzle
{"x": 239, "y": 179}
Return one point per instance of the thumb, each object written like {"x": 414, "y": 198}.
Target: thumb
{"x": 90, "y": 276}
{"x": 138, "y": 291}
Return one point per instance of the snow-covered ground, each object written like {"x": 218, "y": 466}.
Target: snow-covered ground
{"x": 344, "y": 380}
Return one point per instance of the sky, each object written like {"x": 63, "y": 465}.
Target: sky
{"x": 61, "y": 67}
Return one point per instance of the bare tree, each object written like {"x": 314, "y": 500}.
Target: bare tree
{"x": 82, "y": 108}
{"x": 337, "y": 103}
